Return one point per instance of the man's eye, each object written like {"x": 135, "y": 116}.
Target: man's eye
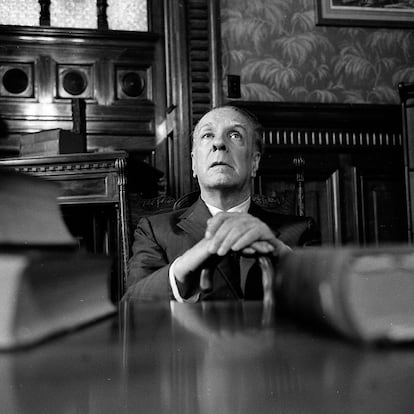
{"x": 235, "y": 135}
{"x": 207, "y": 135}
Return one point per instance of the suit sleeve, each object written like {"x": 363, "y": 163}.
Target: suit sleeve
{"x": 148, "y": 266}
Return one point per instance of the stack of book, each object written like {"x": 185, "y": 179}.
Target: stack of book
{"x": 48, "y": 286}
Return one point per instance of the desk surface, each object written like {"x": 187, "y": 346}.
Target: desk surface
{"x": 204, "y": 358}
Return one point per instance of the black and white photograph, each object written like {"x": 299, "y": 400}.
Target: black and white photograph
{"x": 206, "y": 206}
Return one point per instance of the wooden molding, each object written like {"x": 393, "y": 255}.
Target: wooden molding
{"x": 301, "y": 124}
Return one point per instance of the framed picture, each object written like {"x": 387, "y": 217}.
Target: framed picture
{"x": 374, "y": 13}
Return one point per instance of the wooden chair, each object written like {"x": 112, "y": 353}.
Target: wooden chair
{"x": 264, "y": 201}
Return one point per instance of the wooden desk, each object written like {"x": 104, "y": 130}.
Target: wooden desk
{"x": 89, "y": 181}
{"x": 204, "y": 358}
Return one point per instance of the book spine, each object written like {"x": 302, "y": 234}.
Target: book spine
{"x": 43, "y": 136}
{"x": 40, "y": 148}
{"x": 313, "y": 288}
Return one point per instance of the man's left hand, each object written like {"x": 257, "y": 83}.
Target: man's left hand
{"x": 241, "y": 232}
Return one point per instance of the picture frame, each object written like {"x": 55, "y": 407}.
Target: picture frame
{"x": 364, "y": 13}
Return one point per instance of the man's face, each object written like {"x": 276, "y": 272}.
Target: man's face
{"x": 224, "y": 155}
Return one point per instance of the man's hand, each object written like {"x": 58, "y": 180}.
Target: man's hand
{"x": 238, "y": 232}
{"x": 189, "y": 262}
{"x": 241, "y": 232}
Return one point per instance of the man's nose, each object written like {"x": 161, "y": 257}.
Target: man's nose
{"x": 219, "y": 142}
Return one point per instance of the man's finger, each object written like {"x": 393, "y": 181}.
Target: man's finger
{"x": 223, "y": 240}
{"x": 259, "y": 247}
{"x": 214, "y": 223}
{"x": 254, "y": 233}
{"x": 263, "y": 247}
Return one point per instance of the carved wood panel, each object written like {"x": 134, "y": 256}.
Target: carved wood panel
{"x": 353, "y": 188}
{"x": 278, "y": 179}
{"x": 406, "y": 91}
{"x": 42, "y": 69}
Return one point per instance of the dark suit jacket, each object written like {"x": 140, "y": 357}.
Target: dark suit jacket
{"x": 160, "y": 239}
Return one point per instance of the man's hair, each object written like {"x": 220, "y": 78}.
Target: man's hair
{"x": 251, "y": 118}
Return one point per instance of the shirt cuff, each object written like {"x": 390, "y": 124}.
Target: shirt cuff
{"x": 175, "y": 290}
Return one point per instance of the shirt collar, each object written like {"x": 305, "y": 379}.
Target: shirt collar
{"x": 243, "y": 207}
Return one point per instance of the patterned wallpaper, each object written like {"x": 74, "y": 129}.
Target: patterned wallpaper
{"x": 281, "y": 55}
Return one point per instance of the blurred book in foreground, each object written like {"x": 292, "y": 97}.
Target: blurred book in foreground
{"x": 366, "y": 294}
{"x": 29, "y": 213}
{"x": 47, "y": 286}
{"x": 45, "y": 294}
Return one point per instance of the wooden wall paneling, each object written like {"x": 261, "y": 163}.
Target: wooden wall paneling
{"x": 45, "y": 85}
{"x": 278, "y": 180}
{"x": 193, "y": 73}
{"x": 178, "y": 119}
{"x": 214, "y": 9}
{"x": 408, "y": 124}
{"x": 332, "y": 211}
{"x": 322, "y": 200}
{"x": 350, "y": 204}
{"x": 379, "y": 196}
{"x": 199, "y": 58}
{"x": 409, "y": 127}
{"x": 384, "y": 212}
{"x": 116, "y": 118}
{"x": 111, "y": 120}
{"x": 406, "y": 91}
{"x": 17, "y": 79}
{"x": 159, "y": 87}
{"x": 410, "y": 193}
{"x": 353, "y": 174}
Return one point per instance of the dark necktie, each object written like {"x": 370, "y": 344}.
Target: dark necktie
{"x": 254, "y": 286}
{"x": 229, "y": 268}
{"x": 234, "y": 265}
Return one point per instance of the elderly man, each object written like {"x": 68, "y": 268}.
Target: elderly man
{"x": 170, "y": 249}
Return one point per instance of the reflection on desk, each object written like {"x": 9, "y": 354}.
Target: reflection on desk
{"x": 204, "y": 358}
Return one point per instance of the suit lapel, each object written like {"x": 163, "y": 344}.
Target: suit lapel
{"x": 193, "y": 220}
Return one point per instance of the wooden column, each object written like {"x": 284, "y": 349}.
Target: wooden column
{"x": 44, "y": 18}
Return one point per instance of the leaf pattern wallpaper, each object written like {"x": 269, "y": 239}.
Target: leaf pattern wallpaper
{"x": 281, "y": 55}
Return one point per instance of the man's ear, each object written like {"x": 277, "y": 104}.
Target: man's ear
{"x": 193, "y": 165}
{"x": 255, "y": 163}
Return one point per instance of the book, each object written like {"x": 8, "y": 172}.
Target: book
{"x": 364, "y": 294}
{"x": 52, "y": 142}
{"x": 44, "y": 294}
{"x": 47, "y": 284}
{"x": 29, "y": 212}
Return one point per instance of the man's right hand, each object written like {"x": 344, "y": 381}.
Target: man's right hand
{"x": 186, "y": 267}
